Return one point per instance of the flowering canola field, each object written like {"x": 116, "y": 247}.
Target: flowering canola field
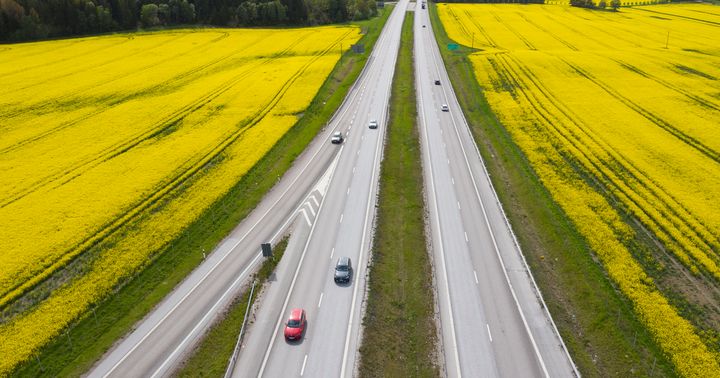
{"x": 618, "y": 113}
{"x": 126, "y": 139}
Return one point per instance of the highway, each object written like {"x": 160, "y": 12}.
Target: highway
{"x": 162, "y": 339}
{"x": 493, "y": 320}
{"x": 342, "y": 227}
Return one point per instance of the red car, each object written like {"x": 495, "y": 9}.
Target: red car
{"x": 295, "y": 325}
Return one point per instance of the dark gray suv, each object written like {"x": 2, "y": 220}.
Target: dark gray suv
{"x": 343, "y": 270}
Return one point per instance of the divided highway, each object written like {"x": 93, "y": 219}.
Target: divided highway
{"x": 493, "y": 320}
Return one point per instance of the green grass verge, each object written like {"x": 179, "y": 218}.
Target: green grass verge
{"x": 210, "y": 358}
{"x": 74, "y": 352}
{"x": 400, "y": 338}
{"x": 595, "y": 320}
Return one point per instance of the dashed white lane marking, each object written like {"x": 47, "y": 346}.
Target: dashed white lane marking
{"x": 489, "y": 333}
{"x": 353, "y": 170}
{"x": 332, "y": 253}
{"x": 448, "y": 161}
{"x": 458, "y": 205}
{"x": 453, "y": 180}
{"x": 475, "y": 273}
{"x": 441, "y": 131}
{"x": 302, "y": 371}
{"x": 466, "y": 238}
{"x": 321, "y": 297}
{"x": 307, "y": 219}
{"x": 348, "y": 192}
{"x": 341, "y": 217}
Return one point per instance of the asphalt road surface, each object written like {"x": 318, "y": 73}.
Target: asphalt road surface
{"x": 342, "y": 227}
{"x": 493, "y": 320}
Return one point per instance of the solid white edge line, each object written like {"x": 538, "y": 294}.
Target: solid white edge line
{"x": 373, "y": 184}
{"x": 492, "y": 234}
{"x": 292, "y": 284}
{"x": 439, "y": 232}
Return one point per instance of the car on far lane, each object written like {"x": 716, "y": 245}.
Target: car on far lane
{"x": 337, "y": 138}
{"x": 343, "y": 270}
{"x": 373, "y": 124}
{"x": 445, "y": 108}
{"x": 437, "y": 82}
{"x": 295, "y": 326}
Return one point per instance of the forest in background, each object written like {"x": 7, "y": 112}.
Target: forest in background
{"x": 23, "y": 20}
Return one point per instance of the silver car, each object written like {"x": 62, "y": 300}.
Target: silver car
{"x": 337, "y": 138}
{"x": 445, "y": 108}
{"x": 373, "y": 124}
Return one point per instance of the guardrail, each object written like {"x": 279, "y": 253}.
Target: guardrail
{"x": 233, "y": 358}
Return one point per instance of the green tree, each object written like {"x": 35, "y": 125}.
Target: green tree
{"x": 149, "y": 15}
{"x": 615, "y": 4}
{"x": 338, "y": 11}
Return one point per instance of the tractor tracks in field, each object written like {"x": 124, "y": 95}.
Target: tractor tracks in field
{"x": 157, "y": 128}
{"x": 647, "y": 114}
{"x": 677, "y": 89}
{"x": 169, "y": 186}
{"x": 519, "y": 35}
{"x": 624, "y": 180}
{"x": 111, "y": 101}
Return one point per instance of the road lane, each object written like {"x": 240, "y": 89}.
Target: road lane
{"x": 343, "y": 227}
{"x": 494, "y": 322}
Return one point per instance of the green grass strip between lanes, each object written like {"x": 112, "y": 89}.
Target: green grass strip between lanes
{"x": 400, "y": 337}
{"x": 595, "y": 320}
{"x": 75, "y": 351}
{"x": 210, "y": 358}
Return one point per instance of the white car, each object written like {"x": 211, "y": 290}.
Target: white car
{"x": 373, "y": 124}
{"x": 445, "y": 108}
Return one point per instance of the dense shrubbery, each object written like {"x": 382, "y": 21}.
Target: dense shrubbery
{"x": 35, "y": 19}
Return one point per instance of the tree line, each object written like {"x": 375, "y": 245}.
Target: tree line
{"x": 22, "y": 20}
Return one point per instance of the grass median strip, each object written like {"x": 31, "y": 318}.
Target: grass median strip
{"x": 73, "y": 353}
{"x": 399, "y": 326}
{"x": 596, "y": 322}
{"x": 210, "y": 358}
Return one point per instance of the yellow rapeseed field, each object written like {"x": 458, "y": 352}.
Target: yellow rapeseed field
{"x": 138, "y": 133}
{"x": 632, "y": 100}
